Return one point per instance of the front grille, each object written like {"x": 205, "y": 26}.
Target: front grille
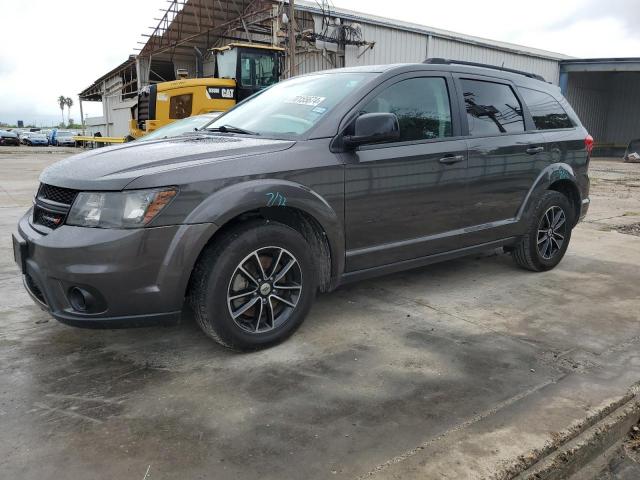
{"x": 57, "y": 194}
{"x": 143, "y": 107}
{"x": 48, "y": 219}
{"x": 52, "y": 205}
{"x": 34, "y": 289}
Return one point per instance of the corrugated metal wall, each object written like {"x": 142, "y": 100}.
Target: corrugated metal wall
{"x": 623, "y": 117}
{"x": 588, "y": 94}
{"x": 400, "y": 46}
{"x": 454, "y": 50}
{"x": 608, "y": 103}
{"x": 316, "y": 60}
{"x": 392, "y": 46}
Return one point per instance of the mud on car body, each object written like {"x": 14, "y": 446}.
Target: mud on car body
{"x": 320, "y": 180}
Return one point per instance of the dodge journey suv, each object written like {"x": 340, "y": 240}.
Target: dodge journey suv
{"x": 319, "y": 180}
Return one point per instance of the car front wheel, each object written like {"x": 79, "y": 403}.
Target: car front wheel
{"x": 254, "y": 286}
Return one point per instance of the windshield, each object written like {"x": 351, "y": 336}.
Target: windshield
{"x": 294, "y": 106}
{"x": 179, "y": 127}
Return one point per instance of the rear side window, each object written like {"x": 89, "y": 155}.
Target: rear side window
{"x": 180, "y": 106}
{"x": 421, "y": 105}
{"x": 492, "y": 108}
{"x": 546, "y": 111}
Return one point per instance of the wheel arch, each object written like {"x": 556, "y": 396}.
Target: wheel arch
{"x": 282, "y": 201}
{"x": 570, "y": 190}
{"x": 559, "y": 177}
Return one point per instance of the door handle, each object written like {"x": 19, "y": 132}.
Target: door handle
{"x": 534, "y": 150}
{"x": 451, "y": 159}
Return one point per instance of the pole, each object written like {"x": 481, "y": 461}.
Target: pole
{"x": 81, "y": 114}
{"x": 292, "y": 39}
{"x": 275, "y": 26}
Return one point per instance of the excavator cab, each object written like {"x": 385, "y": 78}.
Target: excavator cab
{"x": 241, "y": 69}
{"x": 252, "y": 66}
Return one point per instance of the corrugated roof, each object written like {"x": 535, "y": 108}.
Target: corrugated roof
{"x": 352, "y": 15}
{"x": 94, "y": 91}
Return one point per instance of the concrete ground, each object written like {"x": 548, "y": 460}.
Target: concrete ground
{"x": 467, "y": 369}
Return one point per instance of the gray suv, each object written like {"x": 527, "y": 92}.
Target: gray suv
{"x": 317, "y": 181}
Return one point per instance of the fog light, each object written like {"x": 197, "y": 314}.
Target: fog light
{"x": 80, "y": 299}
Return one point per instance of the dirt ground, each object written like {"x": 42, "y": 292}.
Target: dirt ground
{"x": 466, "y": 369}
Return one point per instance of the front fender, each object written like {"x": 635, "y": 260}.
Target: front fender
{"x": 231, "y": 201}
{"x": 551, "y": 174}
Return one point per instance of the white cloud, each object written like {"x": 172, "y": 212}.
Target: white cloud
{"x": 52, "y": 48}
{"x": 49, "y": 48}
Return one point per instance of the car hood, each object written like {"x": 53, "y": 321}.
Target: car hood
{"x": 113, "y": 168}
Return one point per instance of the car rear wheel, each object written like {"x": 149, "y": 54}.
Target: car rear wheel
{"x": 254, "y": 286}
{"x": 548, "y": 235}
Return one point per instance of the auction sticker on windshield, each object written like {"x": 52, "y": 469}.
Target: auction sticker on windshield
{"x": 309, "y": 100}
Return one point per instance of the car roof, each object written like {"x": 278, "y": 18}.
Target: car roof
{"x": 488, "y": 71}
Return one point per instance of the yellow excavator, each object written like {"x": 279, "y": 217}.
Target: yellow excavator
{"x": 241, "y": 69}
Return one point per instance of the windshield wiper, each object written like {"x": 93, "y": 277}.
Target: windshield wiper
{"x": 232, "y": 129}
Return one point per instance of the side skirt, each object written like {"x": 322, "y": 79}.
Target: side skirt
{"x": 422, "y": 261}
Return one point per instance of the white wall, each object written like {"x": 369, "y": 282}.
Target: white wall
{"x": 392, "y": 46}
{"x": 399, "y": 46}
{"x": 451, "y": 49}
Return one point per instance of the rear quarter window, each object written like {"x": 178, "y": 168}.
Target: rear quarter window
{"x": 546, "y": 111}
{"x": 492, "y": 108}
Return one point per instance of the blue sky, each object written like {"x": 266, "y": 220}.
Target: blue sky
{"x": 51, "y": 48}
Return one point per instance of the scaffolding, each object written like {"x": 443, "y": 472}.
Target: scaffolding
{"x": 187, "y": 30}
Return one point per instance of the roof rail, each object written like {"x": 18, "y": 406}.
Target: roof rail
{"x": 445, "y": 61}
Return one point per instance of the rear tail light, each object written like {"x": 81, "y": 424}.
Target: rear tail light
{"x": 588, "y": 144}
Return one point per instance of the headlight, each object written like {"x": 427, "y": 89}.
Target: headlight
{"x": 129, "y": 209}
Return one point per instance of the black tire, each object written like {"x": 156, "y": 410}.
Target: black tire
{"x": 218, "y": 270}
{"x": 541, "y": 248}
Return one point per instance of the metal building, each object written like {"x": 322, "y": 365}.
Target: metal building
{"x": 605, "y": 93}
{"x": 394, "y": 41}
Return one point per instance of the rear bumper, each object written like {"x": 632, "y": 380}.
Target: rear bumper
{"x": 584, "y": 208}
{"x": 132, "y": 278}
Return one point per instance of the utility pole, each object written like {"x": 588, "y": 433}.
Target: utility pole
{"x": 81, "y": 114}
{"x": 292, "y": 39}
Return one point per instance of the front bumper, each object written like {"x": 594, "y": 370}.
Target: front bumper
{"x": 134, "y": 277}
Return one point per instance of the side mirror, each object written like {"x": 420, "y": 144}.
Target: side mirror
{"x": 373, "y": 128}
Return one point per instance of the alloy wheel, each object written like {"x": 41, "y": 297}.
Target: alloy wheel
{"x": 264, "y": 289}
{"x": 552, "y": 230}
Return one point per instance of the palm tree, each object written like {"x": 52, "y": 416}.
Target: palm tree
{"x": 69, "y": 103}
{"x": 62, "y": 102}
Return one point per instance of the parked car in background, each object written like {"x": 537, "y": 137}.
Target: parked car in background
{"x": 9, "y": 138}
{"x": 185, "y": 125}
{"x": 64, "y": 138}
{"x": 320, "y": 180}
{"x": 23, "y": 136}
{"x": 36, "y": 139}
